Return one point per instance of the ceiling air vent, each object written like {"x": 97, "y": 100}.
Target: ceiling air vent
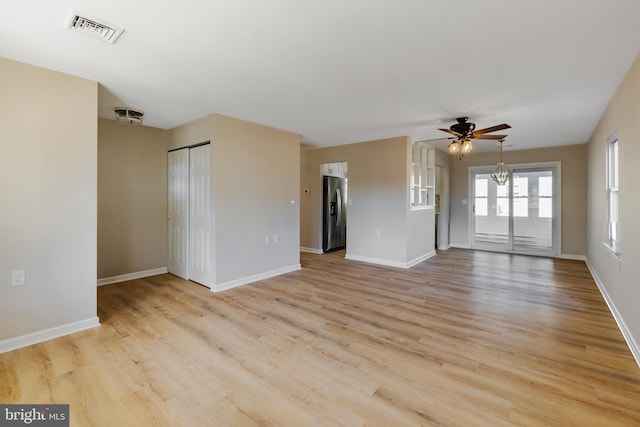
{"x": 94, "y": 27}
{"x": 128, "y": 116}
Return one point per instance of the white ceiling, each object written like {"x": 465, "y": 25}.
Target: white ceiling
{"x": 343, "y": 71}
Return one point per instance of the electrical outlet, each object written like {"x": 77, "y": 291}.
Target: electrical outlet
{"x": 17, "y": 277}
{"x": 276, "y": 238}
{"x": 267, "y": 239}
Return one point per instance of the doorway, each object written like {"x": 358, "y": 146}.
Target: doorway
{"x": 522, "y": 216}
{"x": 334, "y": 206}
{"x": 189, "y": 213}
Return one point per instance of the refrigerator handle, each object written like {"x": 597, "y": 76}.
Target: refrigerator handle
{"x": 339, "y": 205}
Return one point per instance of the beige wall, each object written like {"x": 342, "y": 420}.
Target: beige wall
{"x": 132, "y": 198}
{"x": 255, "y": 186}
{"x": 573, "y": 160}
{"x": 378, "y": 195}
{"x": 620, "y": 280}
{"x": 191, "y": 133}
{"x": 256, "y": 174}
{"x": 420, "y": 235}
{"x": 48, "y": 170}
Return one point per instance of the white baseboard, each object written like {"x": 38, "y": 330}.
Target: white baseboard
{"x": 572, "y": 256}
{"x": 311, "y": 250}
{"x": 131, "y": 276}
{"x": 254, "y": 278}
{"x": 378, "y": 261}
{"x": 460, "y": 245}
{"x": 626, "y": 333}
{"x": 420, "y": 259}
{"x": 444, "y": 247}
{"x": 47, "y": 334}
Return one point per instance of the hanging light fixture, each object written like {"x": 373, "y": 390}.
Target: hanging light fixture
{"x": 501, "y": 173}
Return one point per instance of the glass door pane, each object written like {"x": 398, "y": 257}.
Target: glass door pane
{"x": 490, "y": 213}
{"x": 533, "y": 210}
{"x": 520, "y": 216}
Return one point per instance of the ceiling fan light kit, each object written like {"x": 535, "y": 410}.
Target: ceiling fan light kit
{"x": 464, "y": 131}
{"x": 460, "y": 147}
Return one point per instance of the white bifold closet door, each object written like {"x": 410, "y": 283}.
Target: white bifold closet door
{"x": 200, "y": 215}
{"x": 178, "y": 218}
{"x": 190, "y": 219}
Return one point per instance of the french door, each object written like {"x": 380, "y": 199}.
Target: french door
{"x": 521, "y": 216}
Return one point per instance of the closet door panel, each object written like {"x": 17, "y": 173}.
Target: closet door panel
{"x": 200, "y": 218}
{"x": 178, "y": 212}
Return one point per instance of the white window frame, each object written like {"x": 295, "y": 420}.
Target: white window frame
{"x": 544, "y": 197}
{"x": 520, "y": 198}
{"x": 485, "y": 198}
{"x": 613, "y": 192}
{"x": 422, "y": 177}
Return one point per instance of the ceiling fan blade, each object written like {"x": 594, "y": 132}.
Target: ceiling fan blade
{"x": 454, "y": 133}
{"x": 498, "y": 137}
{"x": 492, "y": 129}
{"x": 444, "y": 138}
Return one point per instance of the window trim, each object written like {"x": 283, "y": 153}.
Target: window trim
{"x": 545, "y": 197}
{"x": 612, "y": 167}
{"x": 475, "y": 211}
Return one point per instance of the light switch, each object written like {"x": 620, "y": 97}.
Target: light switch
{"x": 17, "y": 278}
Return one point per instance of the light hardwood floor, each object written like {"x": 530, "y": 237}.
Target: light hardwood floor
{"x": 464, "y": 339}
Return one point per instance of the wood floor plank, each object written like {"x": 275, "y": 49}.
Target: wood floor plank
{"x": 464, "y": 338}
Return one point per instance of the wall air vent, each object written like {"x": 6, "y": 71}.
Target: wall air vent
{"x": 94, "y": 27}
{"x": 128, "y": 116}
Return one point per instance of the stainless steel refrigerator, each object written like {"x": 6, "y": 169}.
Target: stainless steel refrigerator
{"x": 334, "y": 235}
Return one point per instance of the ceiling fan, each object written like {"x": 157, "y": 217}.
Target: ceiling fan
{"x": 464, "y": 132}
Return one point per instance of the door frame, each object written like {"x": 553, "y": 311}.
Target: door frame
{"x": 186, "y": 269}
{"x": 347, "y": 201}
{"x": 556, "y": 227}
